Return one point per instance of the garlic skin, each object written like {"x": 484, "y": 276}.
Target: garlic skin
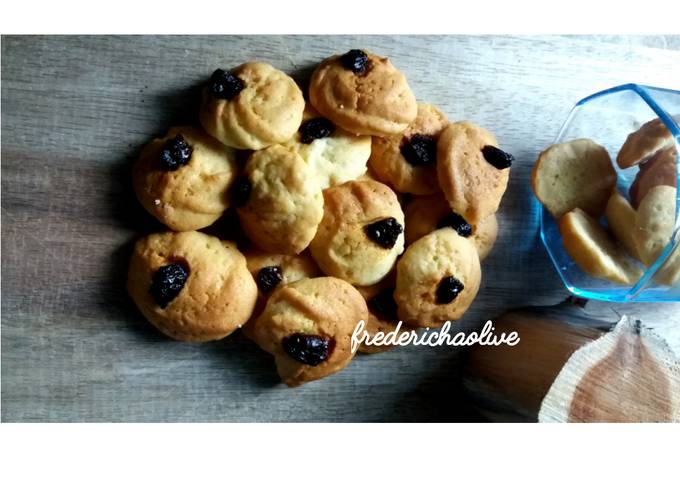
{"x": 571, "y": 367}
{"x": 628, "y": 375}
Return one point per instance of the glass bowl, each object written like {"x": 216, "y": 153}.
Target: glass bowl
{"x": 608, "y": 117}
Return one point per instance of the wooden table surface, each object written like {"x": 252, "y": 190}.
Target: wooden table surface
{"x": 75, "y": 111}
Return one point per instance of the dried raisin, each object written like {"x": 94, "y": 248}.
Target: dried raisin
{"x": 457, "y": 222}
{"x": 225, "y": 85}
{"x": 317, "y": 128}
{"x": 268, "y": 278}
{"x": 497, "y": 157}
{"x": 167, "y": 282}
{"x": 176, "y": 153}
{"x": 384, "y": 232}
{"x": 355, "y": 60}
{"x": 448, "y": 290}
{"x": 420, "y": 150}
{"x": 308, "y": 349}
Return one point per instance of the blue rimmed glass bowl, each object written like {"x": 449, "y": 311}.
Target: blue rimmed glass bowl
{"x": 608, "y": 117}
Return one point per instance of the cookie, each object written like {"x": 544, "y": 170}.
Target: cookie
{"x": 408, "y": 161}
{"x": 574, "y": 174}
{"x": 307, "y": 325}
{"x": 382, "y": 315}
{"x": 363, "y": 93}
{"x": 484, "y": 235}
{"x": 660, "y": 170}
{"x": 273, "y": 270}
{"x": 183, "y": 179}
{"x": 669, "y": 272}
{"x": 191, "y": 286}
{"x": 594, "y": 251}
{"x": 251, "y": 107}
{"x": 361, "y": 233}
{"x": 654, "y": 222}
{"x": 428, "y": 213}
{"x": 644, "y": 143}
{"x": 278, "y": 200}
{"x": 437, "y": 279}
{"x": 473, "y": 172}
{"x": 621, "y": 220}
{"x": 335, "y": 155}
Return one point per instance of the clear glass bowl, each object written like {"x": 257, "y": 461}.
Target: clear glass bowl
{"x": 608, "y": 117}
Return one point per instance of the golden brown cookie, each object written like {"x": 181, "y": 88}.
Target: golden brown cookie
{"x": 621, "y": 219}
{"x": 183, "y": 179}
{"x": 335, "y": 155}
{"x": 363, "y": 93}
{"x": 191, "y": 286}
{"x": 273, "y": 270}
{"x": 473, "y": 172}
{"x": 251, "y": 107}
{"x": 361, "y": 233}
{"x": 594, "y": 251}
{"x": 408, "y": 161}
{"x": 669, "y": 273}
{"x": 574, "y": 174}
{"x": 654, "y": 222}
{"x": 278, "y": 200}
{"x": 428, "y": 213}
{"x": 644, "y": 143}
{"x": 437, "y": 279}
{"x": 382, "y": 314}
{"x": 307, "y": 325}
{"x": 660, "y": 170}
{"x": 484, "y": 235}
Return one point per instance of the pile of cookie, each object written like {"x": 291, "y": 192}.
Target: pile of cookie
{"x": 358, "y": 204}
{"x": 576, "y": 182}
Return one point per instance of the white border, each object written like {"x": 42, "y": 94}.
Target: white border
{"x": 344, "y": 16}
{"x": 327, "y": 452}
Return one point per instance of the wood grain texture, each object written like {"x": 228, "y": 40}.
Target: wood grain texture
{"x": 75, "y": 111}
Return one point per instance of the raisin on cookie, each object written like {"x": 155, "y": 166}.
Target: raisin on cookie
{"x": 272, "y": 271}
{"x": 183, "y": 179}
{"x": 307, "y": 325}
{"x": 278, "y": 200}
{"x": 408, "y": 161}
{"x": 473, "y": 172}
{"x": 335, "y": 155}
{"x": 251, "y": 107}
{"x": 361, "y": 233}
{"x": 437, "y": 279}
{"x": 424, "y": 214}
{"x": 382, "y": 313}
{"x": 191, "y": 286}
{"x": 363, "y": 93}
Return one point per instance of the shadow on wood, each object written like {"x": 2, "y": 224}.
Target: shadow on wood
{"x": 433, "y": 400}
